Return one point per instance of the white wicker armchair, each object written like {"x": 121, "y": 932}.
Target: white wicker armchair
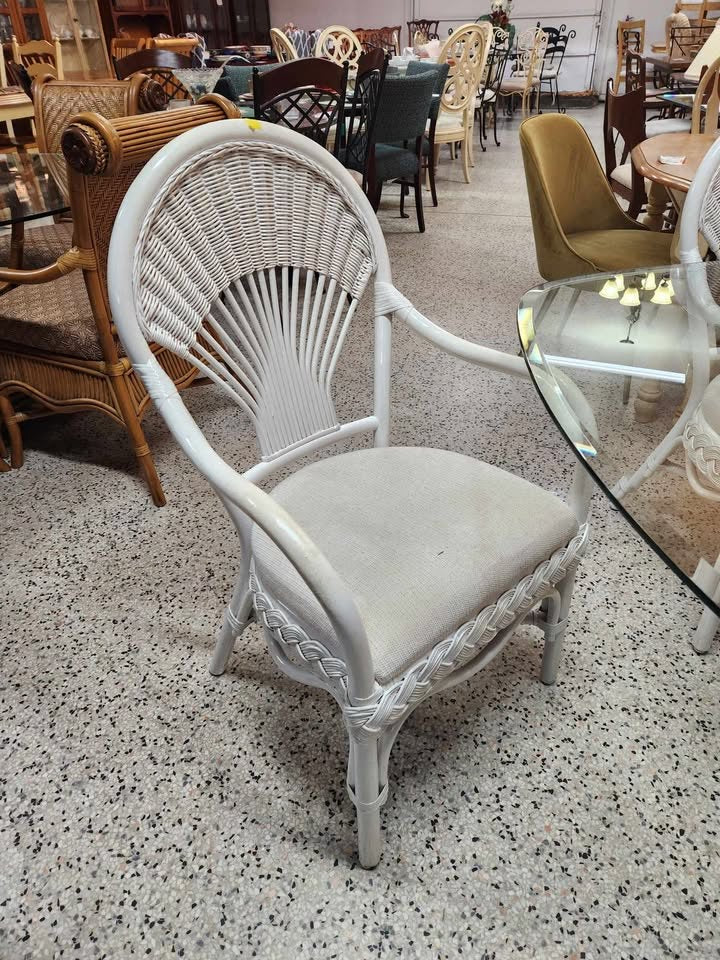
{"x": 381, "y": 575}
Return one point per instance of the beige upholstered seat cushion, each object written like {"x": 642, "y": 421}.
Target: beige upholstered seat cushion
{"x": 54, "y": 316}
{"x": 622, "y": 174}
{"x": 615, "y": 249}
{"x": 423, "y": 538}
{"x": 42, "y": 245}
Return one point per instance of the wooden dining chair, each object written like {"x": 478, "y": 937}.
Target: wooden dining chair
{"x": 306, "y": 95}
{"x": 706, "y": 104}
{"x": 39, "y": 57}
{"x": 340, "y": 45}
{"x": 466, "y": 52}
{"x": 386, "y": 38}
{"x": 630, "y": 37}
{"x": 59, "y": 351}
{"x": 283, "y": 47}
{"x": 158, "y": 64}
{"x": 183, "y": 46}
{"x": 427, "y": 30}
{"x": 123, "y": 46}
{"x": 623, "y": 129}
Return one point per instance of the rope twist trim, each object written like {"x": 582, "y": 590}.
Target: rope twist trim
{"x": 703, "y": 452}
{"x": 446, "y": 657}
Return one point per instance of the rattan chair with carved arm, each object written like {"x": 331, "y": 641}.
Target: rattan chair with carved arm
{"x": 59, "y": 352}
{"x": 381, "y": 575}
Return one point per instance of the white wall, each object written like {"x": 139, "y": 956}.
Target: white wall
{"x": 594, "y": 21}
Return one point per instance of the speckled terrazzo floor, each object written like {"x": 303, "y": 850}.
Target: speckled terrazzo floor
{"x": 149, "y": 809}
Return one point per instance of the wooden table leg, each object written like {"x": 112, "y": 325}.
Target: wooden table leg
{"x": 657, "y": 201}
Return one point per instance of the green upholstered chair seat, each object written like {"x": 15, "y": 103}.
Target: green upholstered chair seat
{"x": 617, "y": 249}
{"x": 393, "y": 160}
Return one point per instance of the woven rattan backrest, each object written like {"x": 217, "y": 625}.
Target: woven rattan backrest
{"x": 57, "y": 101}
{"x": 707, "y": 101}
{"x": 466, "y": 51}
{"x": 104, "y": 157}
{"x": 282, "y": 45}
{"x": 249, "y": 262}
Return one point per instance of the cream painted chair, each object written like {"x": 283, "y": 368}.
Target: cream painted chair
{"x": 630, "y": 38}
{"x": 525, "y": 78}
{"x": 466, "y": 51}
{"x": 381, "y": 575}
{"x": 282, "y": 45}
{"x": 339, "y": 44}
{"x": 706, "y": 106}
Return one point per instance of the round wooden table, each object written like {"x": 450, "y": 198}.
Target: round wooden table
{"x": 676, "y": 179}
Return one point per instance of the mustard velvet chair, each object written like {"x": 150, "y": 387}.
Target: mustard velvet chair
{"x": 579, "y": 226}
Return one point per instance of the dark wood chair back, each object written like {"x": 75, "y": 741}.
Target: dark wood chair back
{"x": 623, "y": 129}
{"x": 307, "y": 95}
{"x": 158, "y": 64}
{"x": 429, "y": 29}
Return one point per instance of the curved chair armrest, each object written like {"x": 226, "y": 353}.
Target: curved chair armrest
{"x": 389, "y": 300}
{"x": 72, "y": 259}
{"x": 312, "y": 565}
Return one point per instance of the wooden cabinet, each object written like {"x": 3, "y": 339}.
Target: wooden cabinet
{"x": 135, "y": 18}
{"x": 223, "y": 22}
{"x": 77, "y": 24}
{"x": 23, "y": 18}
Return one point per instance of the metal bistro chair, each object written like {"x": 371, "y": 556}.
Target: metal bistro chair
{"x": 360, "y": 145}
{"x": 306, "y": 95}
{"x": 487, "y": 98}
{"x": 558, "y": 39}
{"x": 381, "y": 575}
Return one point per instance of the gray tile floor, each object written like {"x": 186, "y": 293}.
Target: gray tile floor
{"x": 149, "y": 809}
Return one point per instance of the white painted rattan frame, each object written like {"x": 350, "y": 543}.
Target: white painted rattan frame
{"x": 373, "y": 713}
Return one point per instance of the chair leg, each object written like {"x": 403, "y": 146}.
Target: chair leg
{"x": 466, "y": 159}
{"x": 431, "y": 175}
{"x": 556, "y": 612}
{"x": 7, "y": 416}
{"x": 137, "y": 438}
{"x": 237, "y": 617}
{"x": 418, "y": 202}
{"x": 364, "y": 778}
{"x": 705, "y": 631}
{"x": 497, "y": 142}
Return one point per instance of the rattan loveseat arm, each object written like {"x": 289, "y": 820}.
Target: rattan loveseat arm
{"x": 95, "y": 146}
{"x": 72, "y": 259}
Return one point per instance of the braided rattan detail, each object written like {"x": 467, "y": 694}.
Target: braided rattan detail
{"x": 446, "y": 657}
{"x": 85, "y": 149}
{"x": 704, "y": 454}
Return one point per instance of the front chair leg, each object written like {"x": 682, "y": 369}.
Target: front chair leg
{"x": 368, "y": 797}
{"x": 237, "y": 617}
{"x": 556, "y": 607}
{"x": 419, "y": 202}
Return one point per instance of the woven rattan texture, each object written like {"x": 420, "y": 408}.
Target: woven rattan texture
{"x": 710, "y": 215}
{"x": 62, "y": 101}
{"x": 208, "y": 227}
{"x": 105, "y": 196}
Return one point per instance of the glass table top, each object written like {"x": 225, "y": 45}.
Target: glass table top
{"x": 32, "y": 185}
{"x": 621, "y": 363}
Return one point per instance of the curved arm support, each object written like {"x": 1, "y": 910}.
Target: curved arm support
{"x": 73, "y": 259}
{"x": 317, "y": 572}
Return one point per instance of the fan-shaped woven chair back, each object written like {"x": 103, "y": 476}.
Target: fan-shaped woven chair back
{"x": 283, "y": 46}
{"x": 253, "y": 252}
{"x": 466, "y": 51}
{"x": 339, "y": 44}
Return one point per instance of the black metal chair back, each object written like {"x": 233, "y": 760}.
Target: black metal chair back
{"x": 307, "y": 95}
{"x": 371, "y": 70}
